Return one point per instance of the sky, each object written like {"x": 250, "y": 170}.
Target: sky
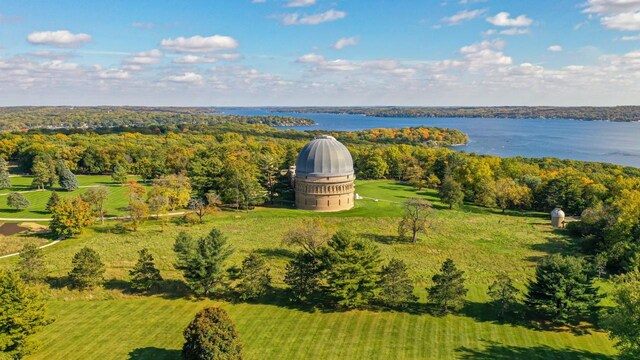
{"x": 320, "y": 52}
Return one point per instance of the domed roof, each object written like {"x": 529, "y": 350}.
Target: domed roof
{"x": 557, "y": 213}
{"x": 324, "y": 156}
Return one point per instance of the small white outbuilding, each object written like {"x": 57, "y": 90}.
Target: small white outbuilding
{"x": 557, "y": 218}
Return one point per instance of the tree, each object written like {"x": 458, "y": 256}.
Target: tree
{"x": 119, "y": 174}
{"x": 159, "y": 205}
{"x": 88, "y": 269}
{"x": 54, "y": 199}
{"x": 70, "y": 216}
{"x": 416, "y": 218}
{"x": 563, "y": 289}
{"x": 503, "y": 294}
{"x": 451, "y": 192}
{"x": 97, "y": 197}
{"x": 448, "y": 291}
{"x": 302, "y": 274}
{"x": 138, "y": 212}
{"x": 22, "y": 314}
{"x": 415, "y": 177}
{"x": 199, "y": 207}
{"x": 202, "y": 260}
{"x": 66, "y": 179}
{"x": 211, "y": 335}
{"x": 17, "y": 201}
{"x": 396, "y": 288}
{"x": 509, "y": 194}
{"x": 5, "y": 180}
{"x": 44, "y": 172}
{"x": 255, "y": 280}
{"x": 310, "y": 236}
{"x": 623, "y": 320}
{"x": 351, "y": 269}
{"x": 31, "y": 267}
{"x": 144, "y": 274}
{"x": 176, "y": 188}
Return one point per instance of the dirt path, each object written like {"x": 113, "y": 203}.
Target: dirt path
{"x": 106, "y": 218}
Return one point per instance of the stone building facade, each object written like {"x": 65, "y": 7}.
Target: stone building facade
{"x": 324, "y": 176}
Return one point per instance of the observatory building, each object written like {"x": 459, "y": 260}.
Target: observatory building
{"x": 324, "y": 178}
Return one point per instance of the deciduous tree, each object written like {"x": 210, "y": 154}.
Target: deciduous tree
{"x": 417, "y": 218}
{"x": 211, "y": 335}
{"x": 97, "y": 197}
{"x": 31, "y": 267}
{"x": 70, "y": 216}
{"x": 623, "y": 319}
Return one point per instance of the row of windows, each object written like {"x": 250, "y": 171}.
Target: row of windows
{"x": 306, "y": 202}
{"x": 319, "y": 189}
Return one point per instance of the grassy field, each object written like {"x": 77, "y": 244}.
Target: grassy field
{"x": 110, "y": 323}
{"x": 114, "y": 206}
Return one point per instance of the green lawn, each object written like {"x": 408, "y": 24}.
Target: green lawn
{"x": 109, "y": 323}
{"x": 114, "y": 206}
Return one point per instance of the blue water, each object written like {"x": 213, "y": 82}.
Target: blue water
{"x": 617, "y": 143}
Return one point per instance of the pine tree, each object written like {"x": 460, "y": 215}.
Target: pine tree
{"x": 54, "y": 200}
{"x": 44, "y": 172}
{"x": 144, "y": 274}
{"x": 211, "y": 335}
{"x": 202, "y": 261}
{"x": 448, "y": 291}
{"x": 31, "y": 267}
{"x": 255, "y": 280}
{"x": 66, "y": 179}
{"x": 451, "y": 192}
{"x": 396, "y": 289}
{"x": 503, "y": 293}
{"x": 22, "y": 314}
{"x": 5, "y": 180}
{"x": 17, "y": 201}
{"x": 563, "y": 289}
{"x": 87, "y": 271}
{"x": 352, "y": 265}
{"x": 302, "y": 274}
{"x": 119, "y": 174}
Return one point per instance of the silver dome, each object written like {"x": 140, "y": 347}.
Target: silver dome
{"x": 557, "y": 213}
{"x": 324, "y": 157}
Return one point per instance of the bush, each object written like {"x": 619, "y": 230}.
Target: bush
{"x": 211, "y": 335}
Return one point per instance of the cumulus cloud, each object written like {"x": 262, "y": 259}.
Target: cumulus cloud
{"x": 624, "y": 21}
{"x": 310, "y": 59}
{"x": 199, "y": 44}
{"x": 300, "y": 3}
{"x": 505, "y": 19}
{"x": 462, "y": 16}
{"x": 60, "y": 38}
{"x": 630, "y": 38}
{"x": 145, "y": 58}
{"x": 188, "y": 78}
{"x": 193, "y": 59}
{"x": 315, "y": 19}
{"x": 611, "y": 6}
{"x": 555, "y": 48}
{"x": 344, "y": 42}
{"x": 114, "y": 74}
{"x": 515, "y": 31}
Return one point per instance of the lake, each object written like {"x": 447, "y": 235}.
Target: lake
{"x": 601, "y": 141}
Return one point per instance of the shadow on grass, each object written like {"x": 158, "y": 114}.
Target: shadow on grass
{"x": 496, "y": 351}
{"x": 154, "y": 353}
{"x": 386, "y": 239}
{"x": 563, "y": 246}
{"x": 169, "y": 289}
{"x": 277, "y": 252}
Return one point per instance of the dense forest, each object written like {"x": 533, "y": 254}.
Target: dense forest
{"x": 616, "y": 113}
{"x": 65, "y": 117}
{"x": 239, "y": 163}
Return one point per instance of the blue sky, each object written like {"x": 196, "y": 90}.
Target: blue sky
{"x": 320, "y": 52}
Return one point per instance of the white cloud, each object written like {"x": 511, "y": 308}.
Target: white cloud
{"x": 199, "y": 44}
{"x": 310, "y": 59}
{"x": 505, "y": 19}
{"x": 623, "y": 21}
{"x": 462, "y": 16}
{"x": 515, "y": 31}
{"x": 193, "y": 59}
{"x": 611, "y": 6}
{"x": 344, "y": 42}
{"x": 630, "y": 38}
{"x": 555, "y": 48}
{"x": 300, "y": 3}
{"x": 188, "y": 77}
{"x": 258, "y": 1}
{"x": 145, "y": 58}
{"x": 60, "y": 38}
{"x": 315, "y": 19}
{"x": 114, "y": 74}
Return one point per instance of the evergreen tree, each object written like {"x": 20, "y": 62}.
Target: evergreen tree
{"x": 351, "y": 269}
{"x": 54, "y": 200}
{"x": 563, "y": 289}
{"x": 623, "y": 320}
{"x": 119, "y": 174}
{"x": 88, "y": 269}
{"x": 396, "y": 289}
{"x": 22, "y": 313}
{"x": 255, "y": 280}
{"x": 66, "y": 179}
{"x": 5, "y": 180}
{"x": 69, "y": 217}
{"x": 503, "y": 294}
{"x": 451, "y": 192}
{"x": 302, "y": 274}
{"x": 202, "y": 261}
{"x": 44, "y": 172}
{"x": 448, "y": 291}
{"x": 211, "y": 335}
{"x": 17, "y": 201}
{"x": 31, "y": 266}
{"x": 144, "y": 274}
